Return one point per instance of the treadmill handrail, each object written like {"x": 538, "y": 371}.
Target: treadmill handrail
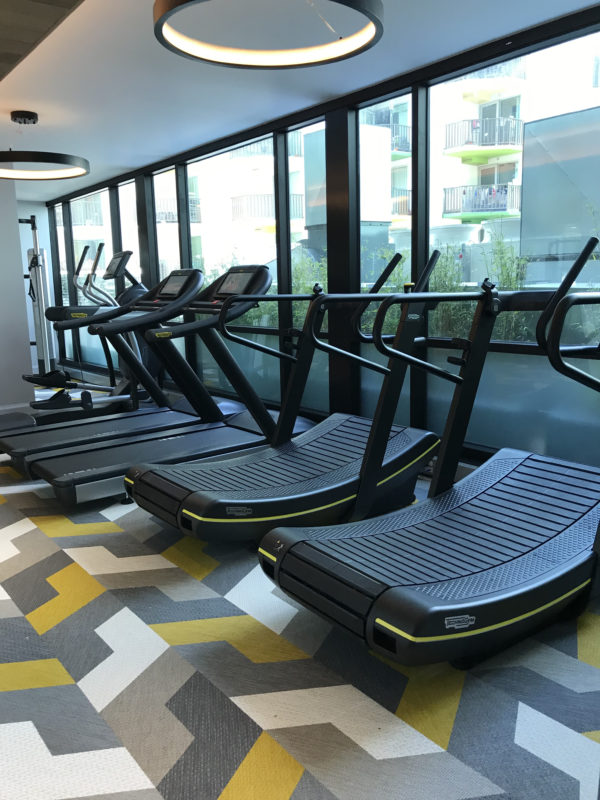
{"x": 555, "y": 351}
{"x": 419, "y": 286}
{"x": 150, "y": 318}
{"x": 109, "y": 314}
{"x": 224, "y": 331}
{"x": 564, "y": 286}
{"x": 488, "y": 292}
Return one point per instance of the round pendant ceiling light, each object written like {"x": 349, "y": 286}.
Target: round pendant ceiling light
{"x": 33, "y": 165}
{"x": 336, "y": 49}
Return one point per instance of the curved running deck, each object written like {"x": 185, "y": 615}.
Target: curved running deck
{"x": 459, "y": 575}
{"x": 313, "y": 478}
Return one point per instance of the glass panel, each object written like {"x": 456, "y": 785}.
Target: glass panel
{"x": 167, "y": 223}
{"x": 232, "y": 209}
{"x": 385, "y": 134}
{"x": 260, "y": 369}
{"x": 385, "y": 146}
{"x": 308, "y": 225}
{"x": 91, "y": 225}
{"x": 531, "y": 405}
{"x": 512, "y": 196}
{"x": 232, "y": 222}
{"x": 129, "y": 227}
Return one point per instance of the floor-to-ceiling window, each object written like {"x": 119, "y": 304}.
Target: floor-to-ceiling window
{"x": 513, "y": 150}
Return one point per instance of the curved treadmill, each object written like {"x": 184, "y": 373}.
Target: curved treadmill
{"x": 346, "y": 465}
{"x": 473, "y": 568}
{"x": 95, "y": 467}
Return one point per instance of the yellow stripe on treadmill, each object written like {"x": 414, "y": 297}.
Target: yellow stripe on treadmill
{"x": 11, "y": 473}
{"x": 588, "y": 639}
{"x": 20, "y": 675}
{"x": 431, "y": 699}
{"x": 239, "y": 520}
{"x": 406, "y": 466}
{"x": 75, "y": 587}
{"x": 464, "y": 634}
{"x": 267, "y": 555}
{"x": 128, "y": 480}
{"x": 57, "y": 526}
{"x": 187, "y": 555}
{"x": 253, "y": 639}
{"x": 267, "y": 773}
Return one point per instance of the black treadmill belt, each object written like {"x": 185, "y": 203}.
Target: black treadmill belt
{"x": 115, "y": 460}
{"x": 495, "y": 534}
{"x": 94, "y": 431}
{"x": 303, "y": 459}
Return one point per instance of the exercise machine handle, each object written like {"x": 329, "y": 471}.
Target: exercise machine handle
{"x": 564, "y": 286}
{"x": 555, "y": 352}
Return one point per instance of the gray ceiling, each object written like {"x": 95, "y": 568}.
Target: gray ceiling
{"x": 106, "y": 90}
{"x": 23, "y": 25}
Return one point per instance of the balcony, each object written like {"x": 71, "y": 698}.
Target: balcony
{"x": 478, "y": 203}
{"x": 475, "y": 141}
{"x": 401, "y": 141}
{"x": 262, "y": 206}
{"x": 497, "y": 80}
{"x": 401, "y": 202}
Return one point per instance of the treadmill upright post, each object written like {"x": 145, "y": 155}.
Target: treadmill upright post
{"x": 464, "y": 395}
{"x": 138, "y": 369}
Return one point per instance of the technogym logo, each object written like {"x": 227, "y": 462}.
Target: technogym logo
{"x": 459, "y": 622}
{"x": 238, "y": 511}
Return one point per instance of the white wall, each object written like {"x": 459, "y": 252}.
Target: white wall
{"x": 14, "y": 350}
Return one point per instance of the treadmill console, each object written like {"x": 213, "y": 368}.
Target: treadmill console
{"x": 174, "y": 284}
{"x": 117, "y": 264}
{"x": 236, "y": 281}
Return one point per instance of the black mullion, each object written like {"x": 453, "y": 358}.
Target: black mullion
{"x": 419, "y": 233}
{"x": 115, "y": 229}
{"x": 70, "y": 264}
{"x": 284, "y": 255}
{"x": 343, "y": 251}
{"x": 56, "y": 281}
{"x": 183, "y": 216}
{"x": 146, "y": 219}
{"x": 185, "y": 249}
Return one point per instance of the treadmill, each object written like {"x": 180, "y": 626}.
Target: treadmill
{"x": 95, "y": 467}
{"x": 319, "y": 477}
{"x": 478, "y": 565}
{"x": 165, "y": 301}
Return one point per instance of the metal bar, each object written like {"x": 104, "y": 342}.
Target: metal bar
{"x": 138, "y": 370}
{"x": 284, "y": 256}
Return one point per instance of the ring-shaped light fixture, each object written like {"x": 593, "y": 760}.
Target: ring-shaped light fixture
{"x": 60, "y": 165}
{"x": 335, "y": 50}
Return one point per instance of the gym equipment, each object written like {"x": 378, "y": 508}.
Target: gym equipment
{"x": 92, "y": 463}
{"x": 320, "y": 475}
{"x": 61, "y": 406}
{"x": 476, "y": 566}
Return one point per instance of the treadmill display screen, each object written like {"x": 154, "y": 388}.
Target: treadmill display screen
{"x": 235, "y": 283}
{"x": 115, "y": 265}
{"x": 173, "y": 285}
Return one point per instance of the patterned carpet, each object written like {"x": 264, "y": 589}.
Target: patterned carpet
{"x": 138, "y": 665}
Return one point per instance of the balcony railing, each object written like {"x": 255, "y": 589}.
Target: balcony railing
{"x": 494, "y": 132}
{"x": 401, "y": 138}
{"x": 401, "y": 202}
{"x": 262, "y": 206}
{"x": 499, "y": 197}
{"x": 87, "y": 211}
